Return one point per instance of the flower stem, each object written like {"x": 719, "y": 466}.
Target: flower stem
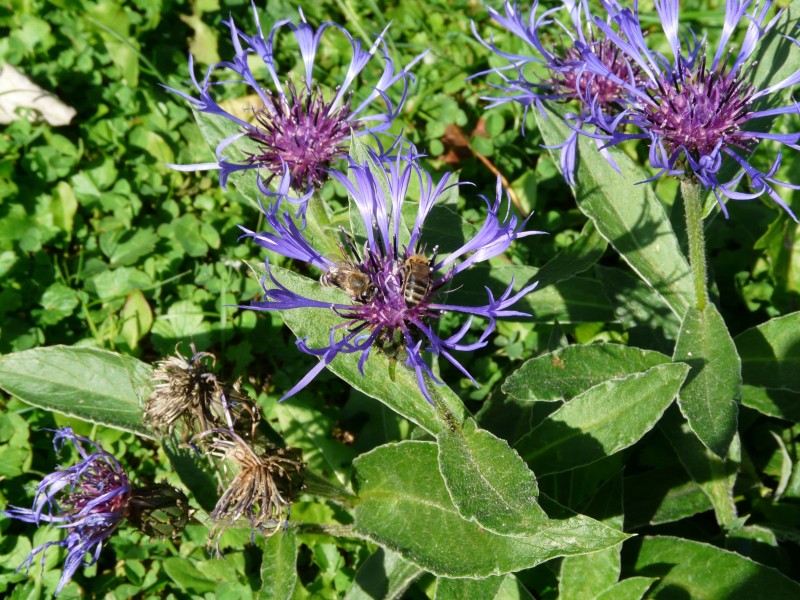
{"x": 692, "y": 195}
{"x": 324, "y": 529}
{"x": 319, "y": 486}
{"x": 317, "y": 210}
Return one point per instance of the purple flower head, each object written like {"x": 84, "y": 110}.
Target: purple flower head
{"x": 88, "y": 500}
{"x": 394, "y": 283}
{"x": 298, "y": 130}
{"x": 699, "y": 110}
{"x": 568, "y": 79}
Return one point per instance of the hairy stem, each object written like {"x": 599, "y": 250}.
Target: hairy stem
{"x": 316, "y": 485}
{"x": 324, "y": 529}
{"x": 692, "y": 195}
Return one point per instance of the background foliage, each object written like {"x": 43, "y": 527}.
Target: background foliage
{"x": 102, "y": 247}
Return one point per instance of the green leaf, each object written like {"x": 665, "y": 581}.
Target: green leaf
{"x": 186, "y": 229}
{"x": 200, "y": 576}
{"x": 633, "y": 588}
{"x": 401, "y": 395}
{"x": 279, "y": 566}
{"x": 662, "y": 495}
{"x": 136, "y": 317}
{"x": 588, "y": 575}
{"x": 757, "y": 543}
{"x": 714, "y": 476}
{"x": 116, "y": 283}
{"x": 575, "y": 258}
{"x": 63, "y": 207}
{"x": 777, "y": 57}
{"x": 771, "y": 353}
{"x": 58, "y": 302}
{"x": 16, "y": 449}
{"x": 781, "y": 404}
{"x": 513, "y": 589}
{"x": 195, "y": 471}
{"x": 627, "y": 213}
{"x": 468, "y": 589}
{"x": 569, "y": 371}
{"x": 400, "y": 484}
{"x": 786, "y": 467}
{"x": 384, "y": 575}
{"x": 573, "y": 300}
{"x": 306, "y": 428}
{"x": 125, "y": 247}
{"x": 509, "y": 419}
{"x": 488, "y": 482}
{"x": 183, "y": 320}
{"x": 710, "y": 398}
{"x": 203, "y": 43}
{"x": 215, "y": 129}
{"x": 94, "y": 385}
{"x": 694, "y": 570}
{"x": 648, "y": 322}
{"x": 602, "y": 420}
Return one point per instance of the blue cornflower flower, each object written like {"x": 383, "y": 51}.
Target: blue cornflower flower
{"x": 568, "y": 79}
{"x": 298, "y": 132}
{"x": 89, "y": 500}
{"x": 698, "y": 109}
{"x": 393, "y": 284}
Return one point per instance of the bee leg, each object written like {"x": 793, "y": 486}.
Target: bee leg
{"x": 434, "y": 254}
{"x": 350, "y": 244}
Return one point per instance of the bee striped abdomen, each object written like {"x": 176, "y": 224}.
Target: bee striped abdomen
{"x": 417, "y": 279}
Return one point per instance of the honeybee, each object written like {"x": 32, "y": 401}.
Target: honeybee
{"x": 349, "y": 277}
{"x": 417, "y": 282}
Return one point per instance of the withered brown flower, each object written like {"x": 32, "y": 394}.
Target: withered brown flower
{"x": 188, "y": 391}
{"x": 262, "y": 484}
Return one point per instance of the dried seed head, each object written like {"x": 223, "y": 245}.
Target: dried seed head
{"x": 185, "y": 390}
{"x": 188, "y": 391}
{"x": 261, "y": 487}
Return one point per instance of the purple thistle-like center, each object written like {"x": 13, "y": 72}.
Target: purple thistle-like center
{"x": 303, "y": 132}
{"x": 699, "y": 110}
{"x": 100, "y": 479}
{"x": 390, "y": 310}
{"x": 581, "y": 85}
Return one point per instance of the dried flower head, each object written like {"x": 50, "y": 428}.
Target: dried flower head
{"x": 700, "y": 111}
{"x": 188, "y": 391}
{"x": 88, "y": 500}
{"x": 299, "y": 130}
{"x": 395, "y": 284}
{"x": 262, "y": 486}
{"x": 557, "y": 71}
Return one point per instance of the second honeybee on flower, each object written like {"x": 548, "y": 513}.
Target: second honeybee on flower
{"x": 417, "y": 269}
{"x": 349, "y": 277}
